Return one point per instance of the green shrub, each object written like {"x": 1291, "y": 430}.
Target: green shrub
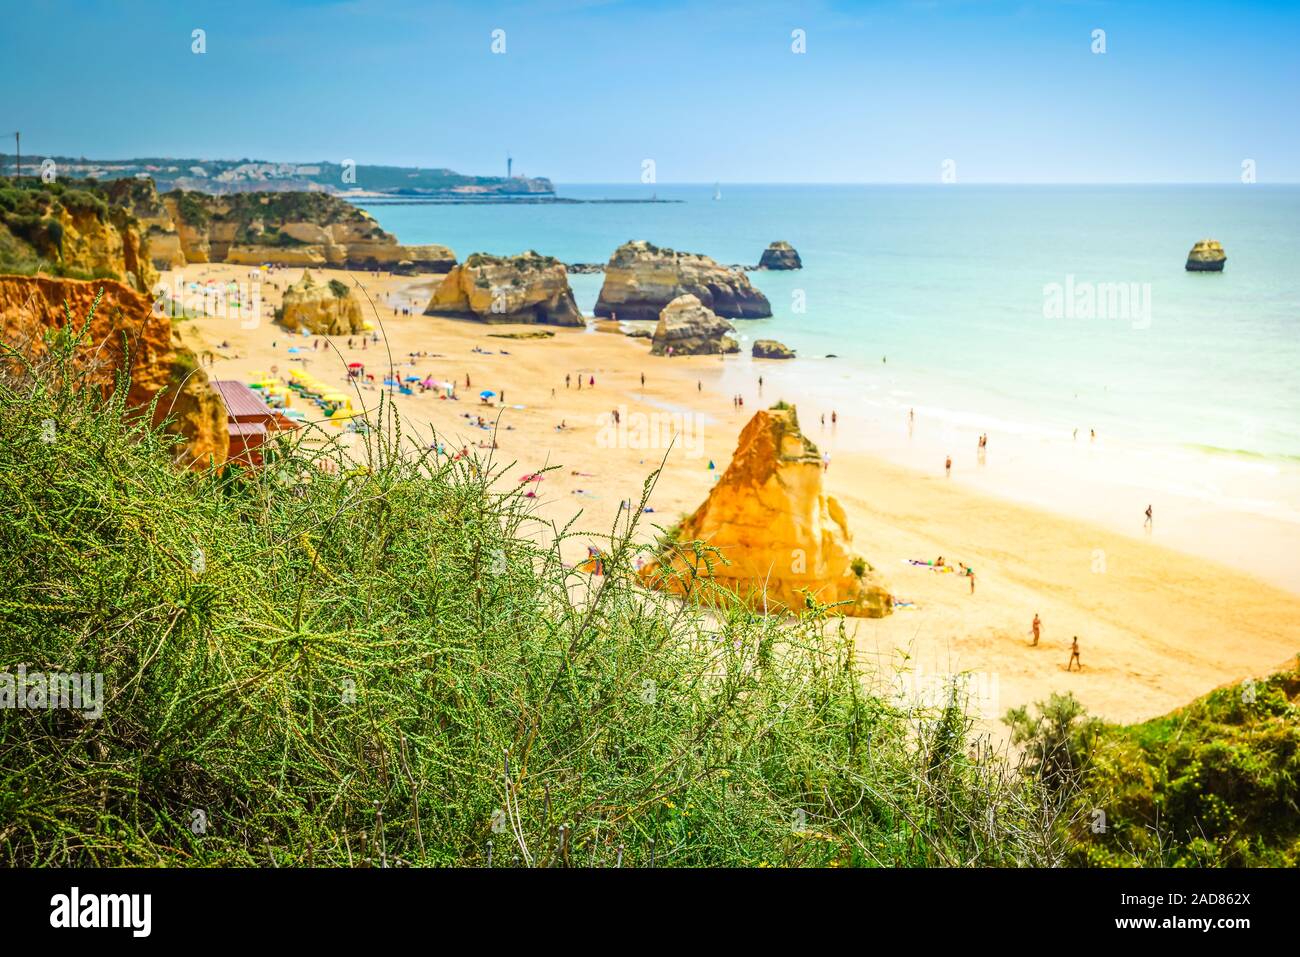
{"x": 383, "y": 663}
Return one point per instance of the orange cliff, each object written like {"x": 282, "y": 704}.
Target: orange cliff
{"x": 780, "y": 537}
{"x": 124, "y": 330}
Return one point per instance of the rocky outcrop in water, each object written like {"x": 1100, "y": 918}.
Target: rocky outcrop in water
{"x": 324, "y": 309}
{"x": 1206, "y": 256}
{"x": 771, "y": 349}
{"x": 526, "y": 288}
{"x": 640, "y": 279}
{"x": 780, "y": 255}
{"x": 781, "y": 538}
{"x": 689, "y": 328}
{"x": 124, "y": 335}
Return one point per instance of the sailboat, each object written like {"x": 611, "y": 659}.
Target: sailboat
{"x": 717, "y": 191}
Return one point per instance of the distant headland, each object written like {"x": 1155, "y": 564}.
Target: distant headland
{"x": 247, "y": 175}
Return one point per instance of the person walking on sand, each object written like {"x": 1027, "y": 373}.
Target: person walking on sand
{"x": 566, "y": 380}
{"x": 1036, "y": 627}
{"x": 1074, "y": 655}
{"x": 643, "y": 380}
{"x": 970, "y": 573}
{"x": 947, "y": 467}
{"x": 834, "y": 418}
{"x": 592, "y": 382}
{"x": 1147, "y": 523}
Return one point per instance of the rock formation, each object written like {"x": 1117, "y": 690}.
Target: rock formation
{"x": 689, "y": 328}
{"x": 771, "y": 349}
{"x": 72, "y": 230}
{"x": 141, "y": 200}
{"x": 780, "y": 255}
{"x": 640, "y": 279}
{"x": 1206, "y": 256}
{"x": 779, "y": 536}
{"x": 324, "y": 309}
{"x": 124, "y": 334}
{"x": 527, "y": 288}
{"x": 304, "y": 229}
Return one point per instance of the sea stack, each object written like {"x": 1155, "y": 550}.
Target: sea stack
{"x": 641, "y": 278}
{"x": 525, "y": 288}
{"x": 1206, "y": 256}
{"x": 782, "y": 539}
{"x": 780, "y": 255}
{"x": 323, "y": 309}
{"x": 689, "y": 328}
{"x": 771, "y": 349}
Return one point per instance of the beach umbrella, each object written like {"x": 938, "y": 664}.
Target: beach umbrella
{"x": 412, "y": 378}
{"x": 486, "y": 394}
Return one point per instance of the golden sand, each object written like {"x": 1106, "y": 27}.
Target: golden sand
{"x": 1155, "y": 628}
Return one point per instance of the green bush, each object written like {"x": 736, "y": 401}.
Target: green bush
{"x": 388, "y": 663}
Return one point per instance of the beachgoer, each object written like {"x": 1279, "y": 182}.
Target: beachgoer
{"x": 1093, "y": 435}
{"x": 970, "y": 573}
{"x": 1037, "y": 627}
{"x": 592, "y": 383}
{"x": 566, "y": 380}
{"x": 826, "y": 461}
{"x": 947, "y": 466}
{"x": 643, "y": 380}
{"x": 834, "y": 418}
{"x": 1074, "y": 654}
{"x": 1147, "y": 523}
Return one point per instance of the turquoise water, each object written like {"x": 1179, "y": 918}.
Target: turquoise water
{"x": 947, "y": 282}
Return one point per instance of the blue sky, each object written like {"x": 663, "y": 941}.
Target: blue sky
{"x": 588, "y": 89}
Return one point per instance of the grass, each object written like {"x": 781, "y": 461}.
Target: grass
{"x": 322, "y": 663}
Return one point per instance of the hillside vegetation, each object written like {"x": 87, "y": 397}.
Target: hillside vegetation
{"x": 380, "y": 665}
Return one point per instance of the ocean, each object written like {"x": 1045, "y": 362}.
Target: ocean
{"x": 1028, "y": 312}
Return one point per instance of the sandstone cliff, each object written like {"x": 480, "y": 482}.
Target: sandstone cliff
{"x": 780, "y": 255}
{"x": 70, "y": 231}
{"x": 527, "y": 288}
{"x": 781, "y": 536}
{"x": 640, "y": 279}
{"x": 140, "y": 198}
{"x": 326, "y": 309}
{"x": 688, "y": 328}
{"x": 123, "y": 335}
{"x": 304, "y": 228}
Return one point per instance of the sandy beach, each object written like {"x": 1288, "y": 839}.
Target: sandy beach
{"x": 1157, "y": 625}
